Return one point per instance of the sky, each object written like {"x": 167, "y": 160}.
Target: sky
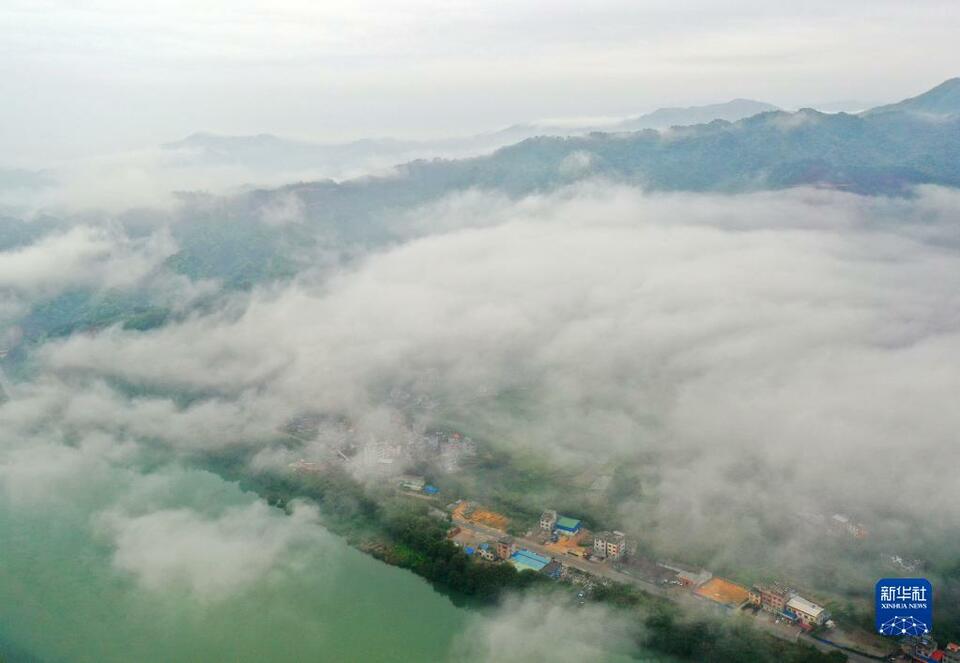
{"x": 81, "y": 78}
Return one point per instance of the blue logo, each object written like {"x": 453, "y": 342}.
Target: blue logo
{"x": 904, "y": 607}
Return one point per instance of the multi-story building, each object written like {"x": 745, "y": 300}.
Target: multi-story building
{"x": 611, "y": 545}
{"x": 806, "y": 612}
{"x": 548, "y": 519}
{"x": 505, "y": 547}
{"x": 773, "y": 598}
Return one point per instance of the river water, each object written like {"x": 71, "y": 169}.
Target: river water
{"x": 65, "y": 598}
{"x": 62, "y": 599}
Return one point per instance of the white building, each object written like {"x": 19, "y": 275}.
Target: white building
{"x": 548, "y": 519}
{"x": 807, "y": 612}
{"x": 612, "y": 545}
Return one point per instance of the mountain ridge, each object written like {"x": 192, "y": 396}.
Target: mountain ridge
{"x": 941, "y": 100}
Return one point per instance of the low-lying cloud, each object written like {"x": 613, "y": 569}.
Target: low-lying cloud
{"x": 776, "y": 353}
{"x": 82, "y": 256}
{"x": 211, "y": 557}
{"x": 523, "y": 629}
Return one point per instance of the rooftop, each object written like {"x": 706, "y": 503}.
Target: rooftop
{"x": 800, "y": 604}
{"x": 567, "y": 523}
{"x": 528, "y": 560}
{"x": 775, "y": 588}
{"x": 610, "y": 536}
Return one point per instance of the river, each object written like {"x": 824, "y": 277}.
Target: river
{"x": 64, "y": 599}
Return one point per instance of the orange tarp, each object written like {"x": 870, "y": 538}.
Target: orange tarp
{"x": 723, "y": 591}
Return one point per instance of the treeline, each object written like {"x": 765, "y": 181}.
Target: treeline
{"x": 663, "y": 629}
{"x": 410, "y": 538}
{"x": 422, "y": 546}
{"x": 709, "y": 641}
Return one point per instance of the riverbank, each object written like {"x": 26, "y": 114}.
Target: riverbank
{"x": 401, "y": 533}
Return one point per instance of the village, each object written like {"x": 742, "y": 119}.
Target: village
{"x": 564, "y": 549}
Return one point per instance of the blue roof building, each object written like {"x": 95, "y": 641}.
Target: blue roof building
{"x": 568, "y": 526}
{"x": 526, "y": 560}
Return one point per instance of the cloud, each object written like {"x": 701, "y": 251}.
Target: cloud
{"x": 210, "y": 556}
{"x": 283, "y": 210}
{"x": 82, "y": 256}
{"x": 525, "y": 629}
{"x": 794, "y": 343}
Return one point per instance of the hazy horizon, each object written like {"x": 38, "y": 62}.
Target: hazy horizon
{"x": 134, "y": 78}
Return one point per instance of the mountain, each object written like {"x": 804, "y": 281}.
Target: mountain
{"x": 943, "y": 100}
{"x": 664, "y": 118}
{"x": 266, "y": 151}
{"x": 844, "y": 106}
{"x": 882, "y": 154}
{"x": 265, "y": 234}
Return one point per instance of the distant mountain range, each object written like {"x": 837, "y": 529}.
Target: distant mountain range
{"x": 662, "y": 118}
{"x": 265, "y": 152}
{"x": 268, "y": 154}
{"x": 874, "y": 152}
{"x": 268, "y": 233}
{"x": 941, "y": 101}
{"x": 883, "y": 150}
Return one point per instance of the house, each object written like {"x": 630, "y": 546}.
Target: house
{"x": 807, "y": 613}
{"x": 505, "y": 547}
{"x": 567, "y": 526}
{"x": 773, "y": 598}
{"x": 547, "y": 520}
{"x": 611, "y": 545}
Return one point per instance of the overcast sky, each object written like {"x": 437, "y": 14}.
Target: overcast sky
{"x": 87, "y": 77}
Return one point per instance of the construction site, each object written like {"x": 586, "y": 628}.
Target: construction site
{"x": 476, "y": 515}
